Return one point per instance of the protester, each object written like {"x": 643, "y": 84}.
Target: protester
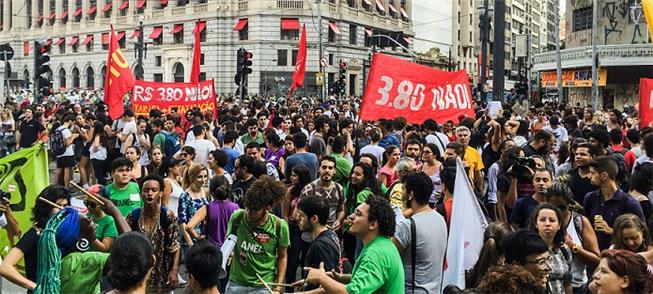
{"x": 262, "y": 240}
{"x": 160, "y": 226}
{"x": 194, "y": 198}
{"x": 527, "y": 249}
{"x": 621, "y": 271}
{"x": 379, "y": 266}
{"x": 131, "y": 264}
{"x": 421, "y": 239}
{"x": 123, "y": 192}
{"x": 215, "y": 215}
{"x": 204, "y": 264}
{"x": 326, "y": 188}
{"x": 139, "y": 171}
{"x": 388, "y": 172}
{"x": 491, "y": 254}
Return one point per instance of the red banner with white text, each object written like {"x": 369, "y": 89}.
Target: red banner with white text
{"x": 397, "y": 87}
{"x": 165, "y": 96}
{"x": 645, "y": 102}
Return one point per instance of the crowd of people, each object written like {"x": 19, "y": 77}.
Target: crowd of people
{"x": 300, "y": 195}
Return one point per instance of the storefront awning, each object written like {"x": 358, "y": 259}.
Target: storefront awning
{"x": 107, "y": 7}
{"x": 60, "y": 41}
{"x": 403, "y": 13}
{"x": 120, "y": 35}
{"x": 124, "y": 5}
{"x": 140, "y": 3}
{"x": 177, "y": 28}
{"x": 74, "y": 41}
{"x": 156, "y": 33}
{"x": 93, "y": 9}
{"x": 89, "y": 39}
{"x": 290, "y": 24}
{"x": 380, "y": 5}
{"x": 241, "y": 24}
{"x": 135, "y": 34}
{"x": 334, "y": 27}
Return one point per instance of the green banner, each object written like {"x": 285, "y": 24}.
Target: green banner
{"x": 25, "y": 173}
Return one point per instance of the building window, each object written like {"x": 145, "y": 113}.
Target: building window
{"x": 75, "y": 47}
{"x": 202, "y": 59}
{"x": 157, "y": 36}
{"x": 582, "y": 19}
{"x": 92, "y": 10}
{"x": 203, "y": 34}
{"x": 158, "y": 77}
{"x": 352, "y": 3}
{"x": 178, "y": 33}
{"x": 108, "y": 7}
{"x": 243, "y": 34}
{"x": 458, "y": 35}
{"x": 367, "y": 7}
{"x": 332, "y": 36}
{"x": 289, "y": 29}
{"x": 157, "y": 60}
{"x": 182, "y": 2}
{"x": 105, "y": 41}
{"x": 330, "y": 58}
{"x": 62, "y": 48}
{"x": 282, "y": 57}
{"x": 294, "y": 57}
{"x": 202, "y": 76}
{"x": 352, "y": 34}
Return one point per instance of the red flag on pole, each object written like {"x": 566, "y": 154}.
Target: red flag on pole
{"x": 645, "y": 102}
{"x": 197, "y": 53}
{"x": 300, "y": 65}
{"x": 118, "y": 78}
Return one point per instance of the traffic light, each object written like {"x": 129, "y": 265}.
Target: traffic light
{"x": 243, "y": 68}
{"x": 341, "y": 83}
{"x": 42, "y": 67}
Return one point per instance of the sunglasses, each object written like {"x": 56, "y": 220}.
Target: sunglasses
{"x": 90, "y": 204}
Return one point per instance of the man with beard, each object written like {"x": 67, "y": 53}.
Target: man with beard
{"x": 324, "y": 187}
{"x": 253, "y": 133}
{"x": 579, "y": 177}
{"x": 29, "y": 131}
{"x": 542, "y": 180}
{"x": 160, "y": 226}
{"x": 414, "y": 150}
{"x": 423, "y": 271}
{"x": 243, "y": 170}
{"x": 312, "y": 215}
{"x": 600, "y": 138}
{"x": 542, "y": 144}
{"x": 472, "y": 158}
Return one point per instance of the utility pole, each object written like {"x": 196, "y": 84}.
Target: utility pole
{"x": 595, "y": 82}
{"x": 559, "y": 67}
{"x": 528, "y": 65}
{"x": 320, "y": 46}
{"x": 140, "y": 47}
{"x": 485, "y": 29}
{"x": 499, "y": 65}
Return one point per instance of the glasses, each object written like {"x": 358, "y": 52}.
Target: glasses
{"x": 541, "y": 262}
{"x": 183, "y": 154}
{"x": 427, "y": 152}
{"x": 90, "y": 204}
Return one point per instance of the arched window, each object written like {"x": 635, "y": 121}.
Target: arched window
{"x": 62, "y": 78}
{"x": 90, "y": 78}
{"x": 103, "y": 73}
{"x": 26, "y": 76}
{"x": 75, "y": 78}
{"x": 178, "y": 72}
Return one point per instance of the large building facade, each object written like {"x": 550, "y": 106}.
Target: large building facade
{"x": 624, "y": 53}
{"x": 78, "y": 31}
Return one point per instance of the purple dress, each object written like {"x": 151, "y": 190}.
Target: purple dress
{"x": 218, "y": 214}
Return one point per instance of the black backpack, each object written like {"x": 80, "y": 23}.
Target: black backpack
{"x": 57, "y": 143}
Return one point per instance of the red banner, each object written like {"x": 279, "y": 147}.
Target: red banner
{"x": 645, "y": 102}
{"x": 164, "y": 96}
{"x": 397, "y": 87}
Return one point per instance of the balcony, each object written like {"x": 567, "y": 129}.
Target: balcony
{"x": 290, "y": 4}
{"x": 352, "y": 11}
{"x": 200, "y": 8}
{"x": 609, "y": 55}
{"x": 179, "y": 11}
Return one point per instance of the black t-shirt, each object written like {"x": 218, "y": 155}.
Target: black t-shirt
{"x": 580, "y": 186}
{"x": 490, "y": 156}
{"x": 530, "y": 151}
{"x": 29, "y": 244}
{"x": 239, "y": 189}
{"x": 323, "y": 249}
{"x": 29, "y": 131}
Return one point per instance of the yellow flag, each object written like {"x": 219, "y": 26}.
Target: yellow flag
{"x": 647, "y": 6}
{"x": 24, "y": 174}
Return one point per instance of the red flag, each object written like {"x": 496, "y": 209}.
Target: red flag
{"x": 118, "y": 78}
{"x": 300, "y": 65}
{"x": 197, "y": 53}
{"x": 645, "y": 102}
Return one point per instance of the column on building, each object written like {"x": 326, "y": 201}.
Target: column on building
{"x": 6, "y": 15}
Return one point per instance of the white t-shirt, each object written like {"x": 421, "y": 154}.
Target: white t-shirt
{"x": 561, "y": 136}
{"x": 70, "y": 149}
{"x": 375, "y": 150}
{"x": 128, "y": 129}
{"x": 202, "y": 148}
{"x": 432, "y": 139}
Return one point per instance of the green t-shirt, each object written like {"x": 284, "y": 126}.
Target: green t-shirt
{"x": 343, "y": 170}
{"x": 82, "y": 272}
{"x": 256, "y": 249}
{"x": 106, "y": 227}
{"x": 126, "y": 199}
{"x": 246, "y": 138}
{"x": 378, "y": 269}
{"x": 160, "y": 140}
{"x": 362, "y": 196}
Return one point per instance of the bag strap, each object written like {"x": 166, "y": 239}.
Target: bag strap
{"x": 236, "y": 224}
{"x": 413, "y": 249}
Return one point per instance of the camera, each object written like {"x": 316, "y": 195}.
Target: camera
{"x": 521, "y": 168}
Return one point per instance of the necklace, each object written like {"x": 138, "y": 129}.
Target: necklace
{"x": 152, "y": 229}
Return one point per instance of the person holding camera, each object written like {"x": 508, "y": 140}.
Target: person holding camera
{"x": 542, "y": 180}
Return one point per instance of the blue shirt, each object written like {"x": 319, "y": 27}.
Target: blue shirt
{"x": 232, "y": 155}
{"x": 307, "y": 159}
{"x": 620, "y": 203}
{"x": 522, "y": 210}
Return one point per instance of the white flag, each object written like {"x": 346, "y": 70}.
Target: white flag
{"x": 466, "y": 230}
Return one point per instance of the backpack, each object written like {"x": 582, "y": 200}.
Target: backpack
{"x": 172, "y": 144}
{"x": 623, "y": 176}
{"x": 58, "y": 143}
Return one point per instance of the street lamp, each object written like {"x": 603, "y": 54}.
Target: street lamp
{"x": 140, "y": 47}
